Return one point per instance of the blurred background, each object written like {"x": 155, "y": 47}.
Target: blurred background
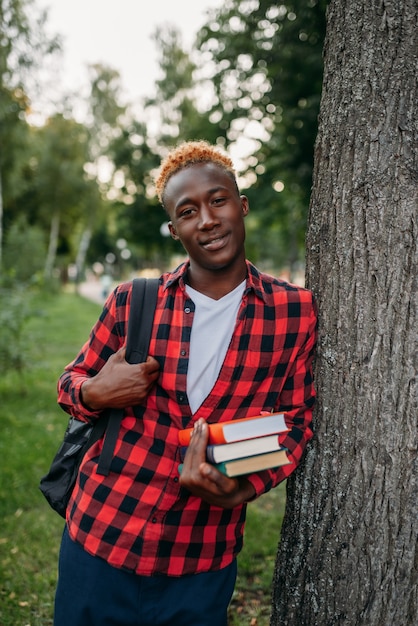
{"x": 93, "y": 95}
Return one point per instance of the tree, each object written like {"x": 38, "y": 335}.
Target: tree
{"x": 170, "y": 116}
{"x": 23, "y": 47}
{"x": 267, "y": 74}
{"x": 348, "y": 552}
{"x": 105, "y": 113}
{"x": 178, "y": 91}
{"x": 60, "y": 182}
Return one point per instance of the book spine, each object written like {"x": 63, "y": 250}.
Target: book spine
{"x": 215, "y": 435}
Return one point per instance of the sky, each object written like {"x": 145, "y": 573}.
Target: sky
{"x": 119, "y": 34}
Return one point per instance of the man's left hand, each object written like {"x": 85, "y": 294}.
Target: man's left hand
{"x": 203, "y": 480}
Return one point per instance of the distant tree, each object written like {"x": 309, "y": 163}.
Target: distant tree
{"x": 178, "y": 102}
{"x": 348, "y": 551}
{"x": 24, "y": 46}
{"x": 106, "y": 116}
{"x": 266, "y": 61}
{"x": 59, "y": 182}
{"x": 105, "y": 109}
{"x": 24, "y": 251}
{"x": 139, "y": 216}
{"x": 171, "y": 115}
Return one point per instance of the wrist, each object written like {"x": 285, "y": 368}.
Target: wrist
{"x": 247, "y": 489}
{"x": 87, "y": 396}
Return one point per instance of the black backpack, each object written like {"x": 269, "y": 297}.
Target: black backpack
{"x": 58, "y": 484}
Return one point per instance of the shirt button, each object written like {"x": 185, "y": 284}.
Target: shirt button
{"x": 176, "y": 479}
{"x": 183, "y": 353}
{"x": 154, "y": 520}
{"x": 187, "y": 309}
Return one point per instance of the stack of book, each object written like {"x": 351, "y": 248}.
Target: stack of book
{"x": 243, "y": 446}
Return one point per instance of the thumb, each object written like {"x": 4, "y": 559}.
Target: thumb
{"x": 121, "y": 354}
{"x": 152, "y": 364}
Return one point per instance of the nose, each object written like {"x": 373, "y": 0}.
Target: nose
{"x": 208, "y": 218}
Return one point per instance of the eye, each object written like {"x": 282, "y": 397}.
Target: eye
{"x": 185, "y": 212}
{"x": 219, "y": 200}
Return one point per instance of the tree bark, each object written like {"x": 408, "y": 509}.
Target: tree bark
{"x": 81, "y": 254}
{"x": 348, "y": 552}
{"x": 1, "y": 222}
{"x": 52, "y": 246}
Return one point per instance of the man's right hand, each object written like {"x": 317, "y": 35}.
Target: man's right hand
{"x": 120, "y": 384}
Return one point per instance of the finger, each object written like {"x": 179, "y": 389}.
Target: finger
{"x": 152, "y": 365}
{"x": 196, "y": 451}
{"x": 221, "y": 483}
{"x": 200, "y": 436}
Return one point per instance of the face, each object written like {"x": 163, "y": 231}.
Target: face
{"x": 207, "y": 217}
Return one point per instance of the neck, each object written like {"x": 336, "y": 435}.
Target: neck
{"x": 215, "y": 285}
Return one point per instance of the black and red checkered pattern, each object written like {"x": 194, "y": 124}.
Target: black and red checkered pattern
{"x": 139, "y": 518}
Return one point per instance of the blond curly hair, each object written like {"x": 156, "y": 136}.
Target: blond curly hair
{"x": 186, "y": 154}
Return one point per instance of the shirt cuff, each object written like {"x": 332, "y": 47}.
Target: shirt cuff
{"x": 260, "y": 485}
{"x": 84, "y": 411}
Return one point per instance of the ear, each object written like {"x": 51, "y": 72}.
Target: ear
{"x": 173, "y": 231}
{"x": 245, "y": 206}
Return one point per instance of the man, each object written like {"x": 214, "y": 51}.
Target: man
{"x": 145, "y": 546}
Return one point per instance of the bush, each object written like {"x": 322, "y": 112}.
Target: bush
{"x": 24, "y": 252}
{"x": 15, "y": 311}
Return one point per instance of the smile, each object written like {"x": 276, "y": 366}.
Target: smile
{"x": 214, "y": 244}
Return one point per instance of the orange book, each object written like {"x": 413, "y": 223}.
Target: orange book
{"x": 240, "y": 429}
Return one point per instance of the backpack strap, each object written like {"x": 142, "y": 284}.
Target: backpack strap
{"x": 141, "y": 318}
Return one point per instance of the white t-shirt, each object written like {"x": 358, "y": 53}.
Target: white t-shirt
{"x": 213, "y": 325}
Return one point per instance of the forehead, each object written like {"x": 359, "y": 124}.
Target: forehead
{"x": 197, "y": 178}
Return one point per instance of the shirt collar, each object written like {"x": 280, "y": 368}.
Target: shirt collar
{"x": 254, "y": 281}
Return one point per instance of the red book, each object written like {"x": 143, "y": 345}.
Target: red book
{"x": 240, "y": 429}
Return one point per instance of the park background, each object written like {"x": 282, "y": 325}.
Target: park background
{"x": 79, "y": 214}
{"x": 323, "y": 128}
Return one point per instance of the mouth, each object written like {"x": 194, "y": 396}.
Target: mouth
{"x": 216, "y": 243}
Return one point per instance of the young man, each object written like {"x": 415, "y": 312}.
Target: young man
{"x": 145, "y": 546}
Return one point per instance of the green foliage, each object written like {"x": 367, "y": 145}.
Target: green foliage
{"x": 139, "y": 217}
{"x": 15, "y": 311}
{"x": 24, "y": 251}
{"x": 24, "y": 48}
{"x": 252, "y": 84}
{"x": 13, "y": 136}
{"x": 24, "y": 44}
{"x": 251, "y": 600}
{"x": 267, "y": 61}
{"x": 32, "y": 426}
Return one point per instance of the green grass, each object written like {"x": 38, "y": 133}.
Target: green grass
{"x": 32, "y": 426}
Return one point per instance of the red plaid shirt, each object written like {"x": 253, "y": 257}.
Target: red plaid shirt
{"x": 139, "y": 518}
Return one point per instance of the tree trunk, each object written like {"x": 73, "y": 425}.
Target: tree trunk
{"x": 52, "y": 246}
{"x": 1, "y": 222}
{"x": 81, "y": 254}
{"x": 348, "y": 553}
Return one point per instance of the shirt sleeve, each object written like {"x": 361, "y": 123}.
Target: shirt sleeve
{"x": 296, "y": 399}
{"x": 106, "y": 337}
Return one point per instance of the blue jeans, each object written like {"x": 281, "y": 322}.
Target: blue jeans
{"x": 92, "y": 593}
